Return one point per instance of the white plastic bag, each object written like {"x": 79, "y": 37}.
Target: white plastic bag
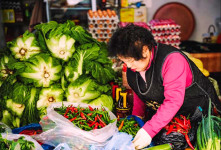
{"x": 64, "y": 131}
{"x": 5, "y": 128}
{"x": 10, "y": 136}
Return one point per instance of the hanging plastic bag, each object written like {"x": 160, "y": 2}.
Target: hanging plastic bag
{"x": 11, "y": 137}
{"x": 57, "y": 129}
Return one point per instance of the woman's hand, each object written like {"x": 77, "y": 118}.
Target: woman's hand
{"x": 142, "y": 139}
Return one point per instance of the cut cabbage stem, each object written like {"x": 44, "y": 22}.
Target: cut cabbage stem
{"x": 46, "y": 74}
{"x": 76, "y": 95}
{"x": 62, "y": 52}
{"x": 51, "y": 99}
{"x": 23, "y": 51}
{"x": 19, "y": 105}
{"x": 6, "y": 72}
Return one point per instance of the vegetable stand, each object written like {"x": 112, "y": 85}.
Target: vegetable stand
{"x": 52, "y": 76}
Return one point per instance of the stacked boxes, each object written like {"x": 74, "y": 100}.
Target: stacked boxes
{"x": 165, "y": 31}
{"x": 102, "y": 24}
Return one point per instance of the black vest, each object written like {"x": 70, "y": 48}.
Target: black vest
{"x": 152, "y": 92}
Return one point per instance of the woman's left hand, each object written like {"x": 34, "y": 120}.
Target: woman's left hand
{"x": 142, "y": 139}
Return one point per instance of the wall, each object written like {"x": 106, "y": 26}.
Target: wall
{"x": 205, "y": 13}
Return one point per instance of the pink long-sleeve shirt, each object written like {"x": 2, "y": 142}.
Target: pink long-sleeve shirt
{"x": 177, "y": 76}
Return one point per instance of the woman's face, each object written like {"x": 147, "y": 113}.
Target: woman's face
{"x": 138, "y": 65}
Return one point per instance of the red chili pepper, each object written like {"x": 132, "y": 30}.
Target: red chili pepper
{"x": 72, "y": 119}
{"x": 101, "y": 125}
{"x": 184, "y": 120}
{"x": 118, "y": 118}
{"x": 188, "y": 141}
{"x": 95, "y": 118}
{"x": 91, "y": 124}
{"x": 180, "y": 123}
{"x": 74, "y": 109}
{"x": 89, "y": 114}
{"x": 96, "y": 125}
{"x": 170, "y": 129}
{"x": 82, "y": 115}
{"x": 101, "y": 120}
{"x": 66, "y": 116}
{"x": 67, "y": 110}
{"x": 91, "y": 109}
{"x": 178, "y": 128}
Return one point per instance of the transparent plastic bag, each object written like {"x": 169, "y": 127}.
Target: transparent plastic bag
{"x": 57, "y": 129}
{"x": 120, "y": 141}
{"x": 4, "y": 128}
{"x": 10, "y": 136}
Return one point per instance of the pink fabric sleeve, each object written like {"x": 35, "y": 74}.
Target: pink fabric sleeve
{"x": 139, "y": 106}
{"x": 177, "y": 76}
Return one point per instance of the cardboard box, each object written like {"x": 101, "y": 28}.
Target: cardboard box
{"x": 140, "y": 14}
{"x": 133, "y": 14}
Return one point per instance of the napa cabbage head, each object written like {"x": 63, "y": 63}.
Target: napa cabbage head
{"x": 84, "y": 54}
{"x": 47, "y": 96}
{"x": 24, "y": 47}
{"x": 14, "y": 103}
{"x": 103, "y": 100}
{"x": 5, "y": 67}
{"x": 57, "y": 38}
{"x": 42, "y": 70}
{"x": 101, "y": 67}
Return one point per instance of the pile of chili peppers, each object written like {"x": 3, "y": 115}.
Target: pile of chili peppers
{"x": 182, "y": 125}
{"x": 129, "y": 126}
{"x": 86, "y": 118}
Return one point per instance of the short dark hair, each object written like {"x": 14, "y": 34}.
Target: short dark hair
{"x": 129, "y": 41}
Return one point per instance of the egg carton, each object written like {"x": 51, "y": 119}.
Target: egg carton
{"x": 168, "y": 38}
{"x": 93, "y": 26}
{"x": 102, "y": 15}
{"x": 163, "y": 34}
{"x": 165, "y": 27}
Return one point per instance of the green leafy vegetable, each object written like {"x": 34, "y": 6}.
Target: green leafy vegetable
{"x": 82, "y": 90}
{"x": 17, "y": 144}
{"x": 24, "y": 47}
{"x": 47, "y": 96}
{"x": 57, "y": 62}
{"x": 6, "y": 70}
{"x": 42, "y": 70}
{"x": 84, "y": 54}
{"x": 104, "y": 100}
{"x": 58, "y": 40}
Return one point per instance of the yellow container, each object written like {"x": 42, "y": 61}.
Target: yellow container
{"x": 8, "y": 16}
{"x": 127, "y": 15}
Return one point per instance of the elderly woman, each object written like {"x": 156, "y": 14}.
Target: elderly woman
{"x": 164, "y": 80}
